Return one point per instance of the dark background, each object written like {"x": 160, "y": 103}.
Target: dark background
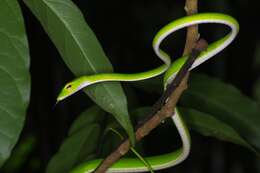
{"x": 125, "y": 30}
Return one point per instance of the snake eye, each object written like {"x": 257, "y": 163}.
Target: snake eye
{"x": 68, "y": 86}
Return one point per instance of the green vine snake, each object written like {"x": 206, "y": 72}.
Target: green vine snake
{"x": 170, "y": 70}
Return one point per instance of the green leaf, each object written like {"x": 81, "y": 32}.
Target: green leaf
{"x": 20, "y": 154}
{"x": 14, "y": 76}
{"x": 110, "y": 141}
{"x": 82, "y": 53}
{"x": 81, "y": 144}
{"x": 226, "y": 103}
{"x": 208, "y": 125}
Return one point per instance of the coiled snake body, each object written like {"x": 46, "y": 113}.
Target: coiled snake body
{"x": 170, "y": 70}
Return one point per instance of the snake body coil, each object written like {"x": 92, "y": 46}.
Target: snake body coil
{"x": 170, "y": 70}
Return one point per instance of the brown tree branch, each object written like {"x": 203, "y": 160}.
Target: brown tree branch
{"x": 167, "y": 109}
{"x": 191, "y": 7}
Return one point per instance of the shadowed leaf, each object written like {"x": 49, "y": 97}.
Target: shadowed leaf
{"x": 14, "y": 76}
{"x": 225, "y": 103}
{"x": 81, "y": 51}
{"x": 81, "y": 143}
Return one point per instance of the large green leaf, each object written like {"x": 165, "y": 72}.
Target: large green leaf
{"x": 226, "y": 103}
{"x": 208, "y": 125}
{"x": 20, "y": 154}
{"x": 82, "y": 52}
{"x": 81, "y": 143}
{"x": 205, "y": 124}
{"x": 14, "y": 76}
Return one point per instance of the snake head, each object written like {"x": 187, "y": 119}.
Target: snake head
{"x": 72, "y": 87}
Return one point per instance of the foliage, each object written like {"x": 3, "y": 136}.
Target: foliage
{"x": 81, "y": 143}
{"x": 14, "y": 76}
{"x": 210, "y": 107}
{"x": 65, "y": 25}
{"x": 226, "y": 103}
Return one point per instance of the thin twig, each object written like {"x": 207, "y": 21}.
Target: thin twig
{"x": 167, "y": 109}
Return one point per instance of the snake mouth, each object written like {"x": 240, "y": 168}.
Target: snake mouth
{"x": 62, "y": 96}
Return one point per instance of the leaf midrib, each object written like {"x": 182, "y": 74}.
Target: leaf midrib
{"x": 73, "y": 36}
{"x": 209, "y": 99}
